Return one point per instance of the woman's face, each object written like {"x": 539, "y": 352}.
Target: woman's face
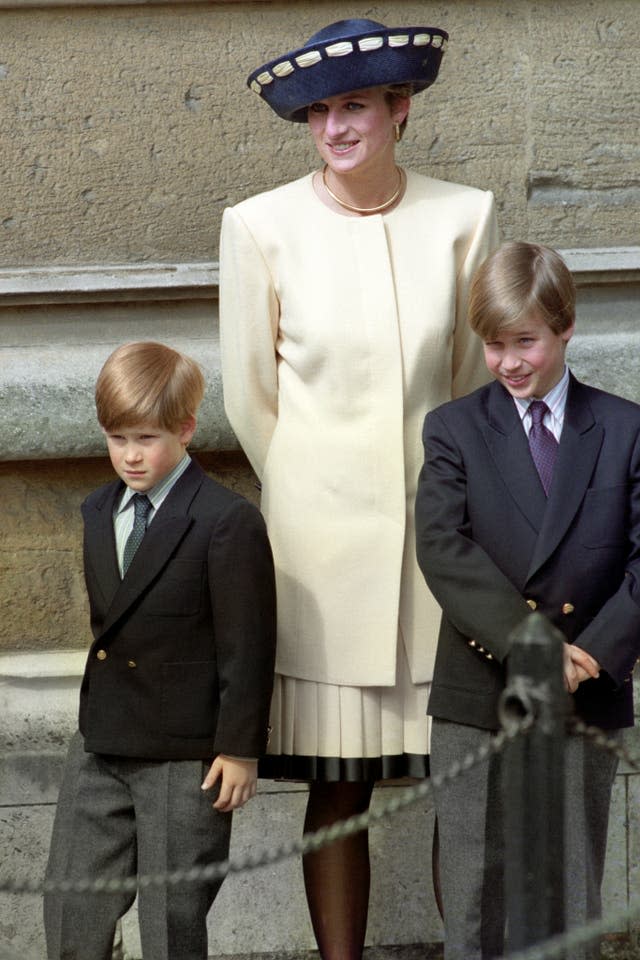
{"x": 356, "y": 130}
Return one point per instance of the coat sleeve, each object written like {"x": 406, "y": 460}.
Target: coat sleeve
{"x": 468, "y": 367}
{"x": 474, "y": 594}
{"x": 243, "y": 599}
{"x": 613, "y": 636}
{"x": 249, "y": 316}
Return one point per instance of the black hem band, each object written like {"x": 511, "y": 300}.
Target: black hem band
{"x": 350, "y": 769}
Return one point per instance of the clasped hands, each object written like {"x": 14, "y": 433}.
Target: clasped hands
{"x": 578, "y": 666}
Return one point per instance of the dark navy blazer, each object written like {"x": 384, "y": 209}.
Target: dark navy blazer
{"x": 491, "y": 546}
{"x": 181, "y": 666}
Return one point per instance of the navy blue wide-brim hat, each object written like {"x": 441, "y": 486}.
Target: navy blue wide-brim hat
{"x": 349, "y": 55}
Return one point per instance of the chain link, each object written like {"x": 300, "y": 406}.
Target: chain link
{"x": 554, "y": 947}
{"x": 600, "y": 739}
{"x": 310, "y": 842}
{"x": 558, "y": 946}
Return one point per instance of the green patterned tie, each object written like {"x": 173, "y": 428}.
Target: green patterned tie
{"x": 141, "y": 507}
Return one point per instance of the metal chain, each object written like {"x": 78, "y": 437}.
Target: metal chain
{"x": 600, "y": 739}
{"x": 558, "y": 946}
{"x": 308, "y": 843}
{"x": 554, "y": 947}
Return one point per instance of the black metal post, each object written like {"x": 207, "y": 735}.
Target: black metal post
{"x": 533, "y": 784}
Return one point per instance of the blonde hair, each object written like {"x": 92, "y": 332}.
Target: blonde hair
{"x": 520, "y": 279}
{"x": 148, "y": 382}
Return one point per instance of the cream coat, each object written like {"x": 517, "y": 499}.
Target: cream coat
{"x": 338, "y": 334}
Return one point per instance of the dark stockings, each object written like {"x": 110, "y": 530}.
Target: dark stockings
{"x": 337, "y": 877}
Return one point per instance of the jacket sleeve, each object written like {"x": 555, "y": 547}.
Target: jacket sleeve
{"x": 249, "y": 316}
{"x": 613, "y": 636}
{"x": 474, "y": 594}
{"x": 468, "y": 367}
{"x": 243, "y": 599}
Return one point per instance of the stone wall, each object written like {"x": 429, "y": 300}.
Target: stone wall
{"x": 42, "y": 598}
{"x": 127, "y": 128}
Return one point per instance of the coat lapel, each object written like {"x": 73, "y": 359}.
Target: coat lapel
{"x": 578, "y": 453}
{"x": 100, "y": 542}
{"x": 508, "y": 445}
{"x": 165, "y": 533}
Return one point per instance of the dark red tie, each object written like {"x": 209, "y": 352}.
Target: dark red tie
{"x": 542, "y": 443}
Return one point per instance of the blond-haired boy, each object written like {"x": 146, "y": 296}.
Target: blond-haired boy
{"x": 175, "y": 697}
{"x": 529, "y": 498}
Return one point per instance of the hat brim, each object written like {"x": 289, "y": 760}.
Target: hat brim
{"x": 377, "y": 58}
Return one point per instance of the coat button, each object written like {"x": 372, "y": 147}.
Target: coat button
{"x": 101, "y": 654}
{"x": 532, "y": 604}
{"x": 568, "y": 608}
{"x": 131, "y": 663}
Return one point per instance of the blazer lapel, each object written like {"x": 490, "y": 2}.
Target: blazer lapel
{"x": 100, "y": 542}
{"x": 578, "y": 453}
{"x": 508, "y": 445}
{"x": 165, "y": 533}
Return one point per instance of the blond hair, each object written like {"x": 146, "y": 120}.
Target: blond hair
{"x": 148, "y": 382}
{"x": 518, "y": 280}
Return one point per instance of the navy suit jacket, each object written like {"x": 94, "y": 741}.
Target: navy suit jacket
{"x": 181, "y": 666}
{"x": 491, "y": 546}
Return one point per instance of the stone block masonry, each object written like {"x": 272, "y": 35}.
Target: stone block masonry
{"x": 128, "y": 146}
{"x": 127, "y": 129}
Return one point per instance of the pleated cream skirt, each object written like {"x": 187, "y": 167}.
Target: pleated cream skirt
{"x": 325, "y": 731}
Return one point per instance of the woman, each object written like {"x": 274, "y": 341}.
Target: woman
{"x": 343, "y": 298}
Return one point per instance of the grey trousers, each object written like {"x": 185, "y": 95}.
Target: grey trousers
{"x": 470, "y": 823}
{"x": 116, "y": 817}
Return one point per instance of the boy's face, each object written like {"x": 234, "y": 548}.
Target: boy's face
{"x": 528, "y": 358}
{"x": 142, "y": 455}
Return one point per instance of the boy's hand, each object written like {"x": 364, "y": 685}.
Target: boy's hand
{"x": 578, "y": 666}
{"x": 239, "y": 780}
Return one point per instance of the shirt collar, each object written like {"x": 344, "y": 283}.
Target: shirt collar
{"x": 555, "y": 399}
{"x": 161, "y": 490}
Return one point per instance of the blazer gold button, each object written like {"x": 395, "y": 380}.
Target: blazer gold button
{"x": 532, "y": 604}
{"x": 568, "y": 608}
{"x": 101, "y": 654}
{"x": 131, "y": 663}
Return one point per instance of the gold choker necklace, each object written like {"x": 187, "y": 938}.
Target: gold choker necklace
{"x": 349, "y": 206}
